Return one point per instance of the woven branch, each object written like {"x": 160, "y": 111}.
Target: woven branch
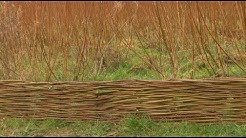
{"x": 202, "y": 101}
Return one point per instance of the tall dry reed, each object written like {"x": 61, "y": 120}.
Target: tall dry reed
{"x": 79, "y": 40}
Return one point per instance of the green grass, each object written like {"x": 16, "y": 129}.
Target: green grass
{"x": 132, "y": 126}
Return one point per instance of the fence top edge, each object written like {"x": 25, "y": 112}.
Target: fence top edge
{"x": 132, "y": 80}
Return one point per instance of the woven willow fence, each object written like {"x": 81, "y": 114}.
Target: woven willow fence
{"x": 208, "y": 100}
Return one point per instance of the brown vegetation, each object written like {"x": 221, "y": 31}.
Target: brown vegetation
{"x": 71, "y": 40}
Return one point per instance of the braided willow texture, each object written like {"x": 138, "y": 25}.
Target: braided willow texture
{"x": 202, "y": 101}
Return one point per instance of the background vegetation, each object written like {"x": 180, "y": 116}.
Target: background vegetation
{"x": 55, "y": 41}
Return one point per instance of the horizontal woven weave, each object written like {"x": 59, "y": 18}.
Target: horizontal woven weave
{"x": 202, "y": 101}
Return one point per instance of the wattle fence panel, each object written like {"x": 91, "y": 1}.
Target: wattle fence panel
{"x": 202, "y": 101}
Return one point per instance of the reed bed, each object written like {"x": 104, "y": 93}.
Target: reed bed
{"x": 82, "y": 40}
